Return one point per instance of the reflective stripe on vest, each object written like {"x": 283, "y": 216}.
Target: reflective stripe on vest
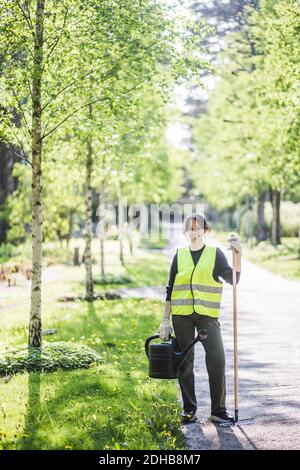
{"x": 196, "y": 302}
{"x": 195, "y": 289}
{"x": 198, "y": 287}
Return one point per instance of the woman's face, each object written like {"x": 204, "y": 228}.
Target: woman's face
{"x": 194, "y": 231}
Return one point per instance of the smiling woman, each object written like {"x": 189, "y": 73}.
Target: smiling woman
{"x": 194, "y": 297}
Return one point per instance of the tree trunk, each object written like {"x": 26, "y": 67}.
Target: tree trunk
{"x": 102, "y": 213}
{"x": 121, "y": 252}
{"x": 76, "y": 256}
{"x": 130, "y": 245}
{"x": 275, "y": 226}
{"x": 88, "y": 222}
{"x": 35, "y": 322}
{"x": 238, "y": 219}
{"x": 70, "y": 227}
{"x": 249, "y": 222}
{"x": 261, "y": 227}
{"x": 102, "y": 258}
{"x": 7, "y": 185}
{"x": 121, "y": 222}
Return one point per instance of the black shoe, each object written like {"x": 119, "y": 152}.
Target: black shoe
{"x": 221, "y": 418}
{"x": 188, "y": 417}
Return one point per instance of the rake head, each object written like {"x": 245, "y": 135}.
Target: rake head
{"x": 239, "y": 422}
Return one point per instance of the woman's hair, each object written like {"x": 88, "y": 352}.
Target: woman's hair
{"x": 199, "y": 218}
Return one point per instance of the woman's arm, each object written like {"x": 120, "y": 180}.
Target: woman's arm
{"x": 169, "y": 288}
{"x": 172, "y": 275}
{"x": 165, "y": 329}
{"x": 222, "y": 268}
{"x": 167, "y": 311}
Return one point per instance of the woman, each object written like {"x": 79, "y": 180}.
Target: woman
{"x": 193, "y": 298}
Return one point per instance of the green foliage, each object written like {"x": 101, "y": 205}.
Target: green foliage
{"x": 109, "y": 69}
{"x": 19, "y": 205}
{"x": 113, "y": 279}
{"x": 249, "y": 139}
{"x": 6, "y": 251}
{"x": 93, "y": 52}
{"x": 52, "y": 356}
{"x": 62, "y": 199}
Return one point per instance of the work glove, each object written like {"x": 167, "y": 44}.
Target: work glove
{"x": 165, "y": 329}
{"x": 234, "y": 244}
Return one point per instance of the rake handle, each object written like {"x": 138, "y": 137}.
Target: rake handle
{"x": 235, "y": 344}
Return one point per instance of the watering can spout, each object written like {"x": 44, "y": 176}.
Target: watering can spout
{"x": 180, "y": 356}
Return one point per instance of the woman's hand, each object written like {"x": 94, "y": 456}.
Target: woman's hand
{"x": 235, "y": 244}
{"x": 165, "y": 329}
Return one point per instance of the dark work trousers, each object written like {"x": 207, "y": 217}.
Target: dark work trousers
{"x": 184, "y": 329}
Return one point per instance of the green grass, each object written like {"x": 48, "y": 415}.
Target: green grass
{"x": 282, "y": 260}
{"x": 154, "y": 244}
{"x": 145, "y": 269}
{"x": 113, "y": 405}
{"x": 110, "y": 406}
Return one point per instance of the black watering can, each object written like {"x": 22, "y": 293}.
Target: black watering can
{"x": 165, "y": 358}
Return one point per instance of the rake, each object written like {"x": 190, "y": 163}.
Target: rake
{"x": 236, "y": 385}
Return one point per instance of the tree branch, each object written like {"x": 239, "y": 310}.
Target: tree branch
{"x": 26, "y": 18}
{"x": 72, "y": 114}
{"x": 29, "y": 15}
{"x": 23, "y": 128}
{"x": 20, "y": 144}
{"x": 52, "y": 48}
{"x": 21, "y": 157}
{"x": 65, "y": 88}
{"x": 79, "y": 79}
{"x": 25, "y": 47}
{"x": 233, "y": 122}
{"x": 73, "y": 24}
{"x": 90, "y": 103}
{"x": 91, "y": 71}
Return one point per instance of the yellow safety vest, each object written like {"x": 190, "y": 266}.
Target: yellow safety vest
{"x": 195, "y": 289}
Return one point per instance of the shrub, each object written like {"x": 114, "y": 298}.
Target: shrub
{"x": 113, "y": 279}
{"x": 52, "y": 356}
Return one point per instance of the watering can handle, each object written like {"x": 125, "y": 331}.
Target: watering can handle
{"x": 147, "y": 343}
{"x": 150, "y": 339}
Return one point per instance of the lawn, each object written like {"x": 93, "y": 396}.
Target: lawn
{"x": 112, "y": 405}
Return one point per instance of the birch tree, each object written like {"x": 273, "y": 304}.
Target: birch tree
{"x": 48, "y": 51}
